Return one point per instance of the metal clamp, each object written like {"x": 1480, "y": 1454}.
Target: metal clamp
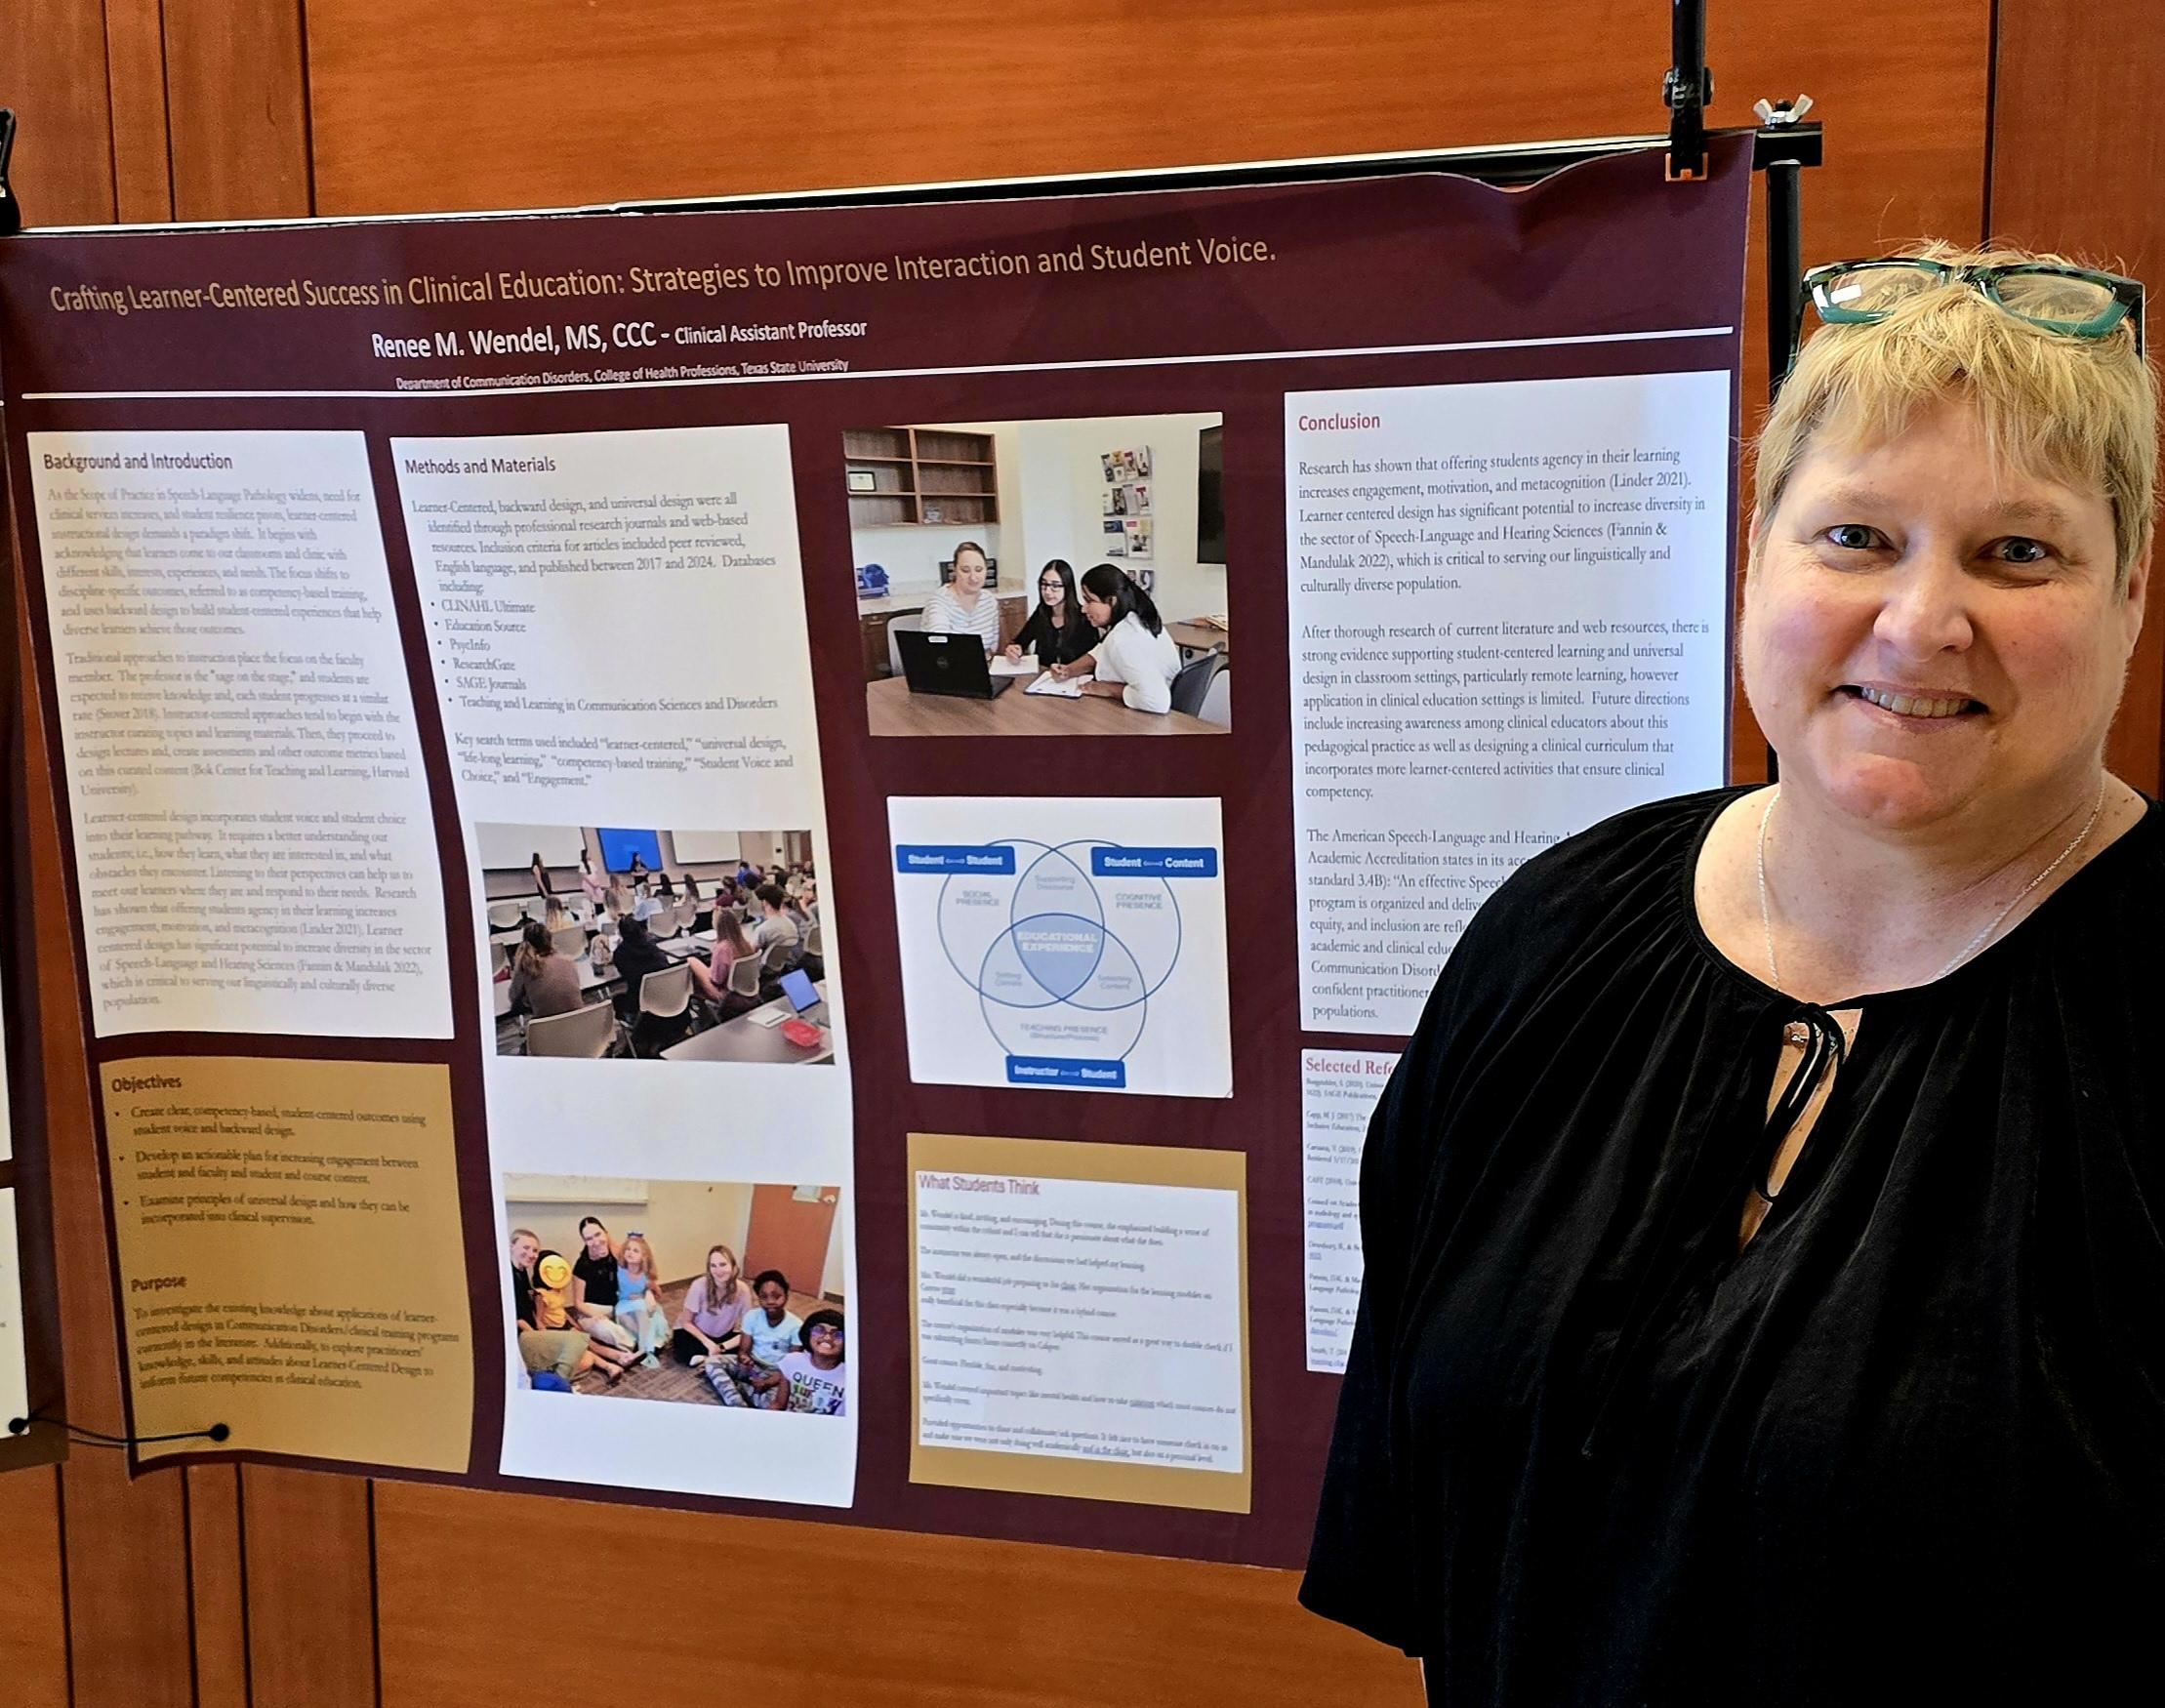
{"x": 11, "y": 209}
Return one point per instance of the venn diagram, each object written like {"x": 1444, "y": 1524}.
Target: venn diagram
{"x": 1064, "y": 963}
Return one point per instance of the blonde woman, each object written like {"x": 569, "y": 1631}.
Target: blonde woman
{"x": 709, "y": 1321}
{"x": 1762, "y": 1228}
{"x": 963, "y": 606}
{"x": 542, "y": 981}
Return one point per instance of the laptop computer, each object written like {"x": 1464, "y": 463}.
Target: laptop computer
{"x": 804, "y": 1001}
{"x": 948, "y": 664}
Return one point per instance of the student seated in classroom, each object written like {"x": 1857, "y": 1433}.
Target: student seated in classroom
{"x": 1135, "y": 660}
{"x": 731, "y": 944}
{"x": 636, "y": 956}
{"x": 776, "y": 927}
{"x": 1057, "y": 631}
{"x": 963, "y": 606}
{"x": 542, "y": 981}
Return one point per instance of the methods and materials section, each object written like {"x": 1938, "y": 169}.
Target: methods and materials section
{"x": 239, "y": 737}
{"x": 613, "y": 604}
{"x": 1069, "y": 944}
{"x": 1508, "y": 619}
{"x": 1080, "y": 1320}
{"x": 1338, "y": 1091}
{"x": 290, "y": 1257}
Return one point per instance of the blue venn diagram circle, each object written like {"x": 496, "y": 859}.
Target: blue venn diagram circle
{"x": 1053, "y": 936}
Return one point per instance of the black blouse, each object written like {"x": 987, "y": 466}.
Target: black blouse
{"x": 1056, "y": 646}
{"x": 1911, "y": 1438}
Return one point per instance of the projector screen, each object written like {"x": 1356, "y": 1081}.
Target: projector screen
{"x": 508, "y": 847}
{"x": 703, "y": 847}
{"x": 618, "y": 848}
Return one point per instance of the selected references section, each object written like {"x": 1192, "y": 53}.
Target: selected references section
{"x": 1508, "y": 619}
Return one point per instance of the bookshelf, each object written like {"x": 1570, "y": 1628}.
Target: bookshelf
{"x": 921, "y": 477}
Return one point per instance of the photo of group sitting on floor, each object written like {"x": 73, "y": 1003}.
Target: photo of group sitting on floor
{"x": 602, "y": 1304}
{"x": 655, "y": 943}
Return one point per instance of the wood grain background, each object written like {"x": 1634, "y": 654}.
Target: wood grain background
{"x": 2031, "y": 119}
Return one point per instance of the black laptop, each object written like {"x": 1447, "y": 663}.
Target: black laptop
{"x": 948, "y": 664}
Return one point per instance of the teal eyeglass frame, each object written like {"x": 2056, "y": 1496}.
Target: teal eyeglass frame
{"x": 2127, "y": 294}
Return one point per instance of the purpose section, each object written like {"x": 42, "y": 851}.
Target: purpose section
{"x": 290, "y": 1258}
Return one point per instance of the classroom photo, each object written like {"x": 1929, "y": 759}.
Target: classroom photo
{"x": 701, "y": 1293}
{"x": 1030, "y": 577}
{"x": 655, "y": 944}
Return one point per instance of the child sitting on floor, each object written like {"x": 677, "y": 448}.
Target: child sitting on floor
{"x": 818, "y": 1381}
{"x": 638, "y": 1310}
{"x": 753, "y": 1378}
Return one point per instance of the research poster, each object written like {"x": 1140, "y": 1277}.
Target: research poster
{"x": 719, "y": 941}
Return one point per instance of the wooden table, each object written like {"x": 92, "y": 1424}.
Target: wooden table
{"x": 1193, "y": 638}
{"x": 745, "y": 1039}
{"x": 892, "y": 710}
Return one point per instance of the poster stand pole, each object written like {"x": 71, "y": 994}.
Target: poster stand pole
{"x": 1688, "y": 89}
{"x": 11, "y": 209}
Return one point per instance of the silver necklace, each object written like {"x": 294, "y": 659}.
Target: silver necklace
{"x": 1765, "y": 913}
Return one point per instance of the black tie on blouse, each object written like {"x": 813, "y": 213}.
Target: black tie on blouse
{"x": 1655, "y": 1293}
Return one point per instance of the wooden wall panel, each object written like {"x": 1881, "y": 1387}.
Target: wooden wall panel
{"x": 311, "y": 1603}
{"x": 217, "y": 1586}
{"x": 135, "y": 70}
{"x": 903, "y": 1619}
{"x": 53, "y": 74}
{"x": 33, "y": 1631}
{"x": 239, "y": 108}
{"x": 2078, "y": 158}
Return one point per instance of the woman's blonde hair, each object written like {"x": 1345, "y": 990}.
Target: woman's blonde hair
{"x": 2079, "y": 410}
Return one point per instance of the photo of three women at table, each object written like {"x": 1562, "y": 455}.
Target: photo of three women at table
{"x": 1102, "y": 630}
{"x": 774, "y": 915}
{"x": 602, "y": 1312}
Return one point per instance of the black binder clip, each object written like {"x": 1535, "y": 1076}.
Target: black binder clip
{"x": 11, "y": 209}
